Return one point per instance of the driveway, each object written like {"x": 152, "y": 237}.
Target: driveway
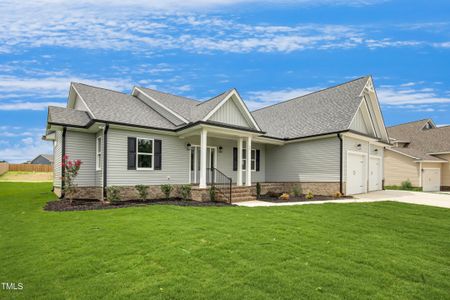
{"x": 431, "y": 199}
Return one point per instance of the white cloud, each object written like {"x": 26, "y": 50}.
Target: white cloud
{"x": 29, "y": 105}
{"x": 259, "y": 99}
{"x": 399, "y": 96}
{"x": 27, "y": 141}
{"x": 18, "y": 153}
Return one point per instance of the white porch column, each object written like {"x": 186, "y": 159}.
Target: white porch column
{"x": 248, "y": 161}
{"x": 203, "y": 142}
{"x": 239, "y": 162}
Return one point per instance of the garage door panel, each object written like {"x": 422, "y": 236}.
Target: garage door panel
{"x": 356, "y": 173}
{"x": 375, "y": 177}
{"x": 431, "y": 180}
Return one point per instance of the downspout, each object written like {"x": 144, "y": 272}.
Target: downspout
{"x": 341, "y": 162}
{"x": 105, "y": 159}
{"x": 63, "y": 153}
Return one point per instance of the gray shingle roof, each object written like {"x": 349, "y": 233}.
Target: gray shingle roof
{"x": 321, "y": 112}
{"x": 107, "y": 105}
{"x": 421, "y": 142}
{"x": 49, "y": 157}
{"x": 67, "y": 116}
{"x": 200, "y": 111}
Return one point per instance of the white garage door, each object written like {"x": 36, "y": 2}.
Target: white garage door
{"x": 375, "y": 173}
{"x": 356, "y": 173}
{"x": 431, "y": 180}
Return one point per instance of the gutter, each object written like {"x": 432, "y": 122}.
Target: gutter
{"x": 63, "y": 153}
{"x": 341, "y": 162}
{"x": 105, "y": 159}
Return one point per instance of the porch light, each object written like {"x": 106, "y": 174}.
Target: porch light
{"x": 376, "y": 150}
{"x": 358, "y": 146}
{"x": 188, "y": 146}
{"x": 220, "y": 149}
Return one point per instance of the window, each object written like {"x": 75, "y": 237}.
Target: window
{"x": 144, "y": 153}
{"x": 98, "y": 156}
{"x": 252, "y": 159}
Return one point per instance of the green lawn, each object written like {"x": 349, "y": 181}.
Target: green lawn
{"x": 368, "y": 250}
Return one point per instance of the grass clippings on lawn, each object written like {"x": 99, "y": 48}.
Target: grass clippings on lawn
{"x": 381, "y": 250}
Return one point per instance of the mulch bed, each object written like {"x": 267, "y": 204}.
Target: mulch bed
{"x": 78, "y": 204}
{"x": 300, "y": 198}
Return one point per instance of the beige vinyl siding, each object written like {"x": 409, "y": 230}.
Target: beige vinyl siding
{"x": 225, "y": 159}
{"x": 79, "y": 105}
{"x": 229, "y": 113}
{"x": 359, "y": 124}
{"x": 81, "y": 145}
{"x": 174, "y": 160}
{"x": 57, "y": 154}
{"x": 308, "y": 161}
{"x": 445, "y": 170}
{"x": 398, "y": 168}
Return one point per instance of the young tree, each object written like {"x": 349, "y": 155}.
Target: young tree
{"x": 71, "y": 169}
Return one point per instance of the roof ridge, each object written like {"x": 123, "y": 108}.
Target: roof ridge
{"x": 100, "y": 88}
{"x": 315, "y": 92}
{"x": 168, "y": 93}
{"x": 212, "y": 98}
{"x": 410, "y": 122}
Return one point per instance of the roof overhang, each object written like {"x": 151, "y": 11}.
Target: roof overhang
{"x": 438, "y": 153}
{"x": 431, "y": 161}
{"x": 404, "y": 154}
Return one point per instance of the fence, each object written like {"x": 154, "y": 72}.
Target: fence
{"x": 26, "y": 168}
{"x": 4, "y": 167}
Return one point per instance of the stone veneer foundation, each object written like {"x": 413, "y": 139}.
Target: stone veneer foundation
{"x": 197, "y": 194}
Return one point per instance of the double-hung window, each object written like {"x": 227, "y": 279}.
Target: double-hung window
{"x": 98, "y": 156}
{"x": 144, "y": 155}
{"x": 252, "y": 160}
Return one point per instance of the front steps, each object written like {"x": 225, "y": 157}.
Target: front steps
{"x": 243, "y": 193}
{"x": 238, "y": 193}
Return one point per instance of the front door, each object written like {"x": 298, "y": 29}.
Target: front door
{"x": 194, "y": 163}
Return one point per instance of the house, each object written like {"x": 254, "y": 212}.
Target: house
{"x": 421, "y": 154}
{"x": 328, "y": 141}
{"x": 42, "y": 159}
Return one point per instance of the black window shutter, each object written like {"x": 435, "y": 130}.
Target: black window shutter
{"x": 234, "y": 159}
{"x": 131, "y": 153}
{"x": 157, "y": 154}
{"x": 257, "y": 159}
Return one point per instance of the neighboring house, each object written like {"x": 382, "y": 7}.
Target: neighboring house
{"x": 327, "y": 141}
{"x": 420, "y": 153}
{"x": 42, "y": 159}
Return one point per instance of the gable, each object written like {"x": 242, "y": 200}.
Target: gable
{"x": 362, "y": 121}
{"x": 79, "y": 105}
{"x": 229, "y": 113}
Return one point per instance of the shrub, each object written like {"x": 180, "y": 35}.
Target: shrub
{"x": 166, "y": 189}
{"x": 185, "y": 191}
{"x": 309, "y": 195}
{"x": 407, "y": 185}
{"x": 71, "y": 169}
{"x": 212, "y": 194}
{"x": 284, "y": 196}
{"x": 113, "y": 193}
{"x": 273, "y": 194}
{"x": 142, "y": 190}
{"x": 258, "y": 190}
{"x": 338, "y": 195}
{"x": 296, "y": 190}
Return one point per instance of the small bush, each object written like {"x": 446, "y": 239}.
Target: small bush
{"x": 142, "y": 190}
{"x": 113, "y": 193}
{"x": 273, "y": 194}
{"x": 166, "y": 189}
{"x": 338, "y": 195}
{"x": 407, "y": 185}
{"x": 309, "y": 195}
{"x": 296, "y": 190}
{"x": 258, "y": 190}
{"x": 212, "y": 194}
{"x": 284, "y": 196}
{"x": 185, "y": 191}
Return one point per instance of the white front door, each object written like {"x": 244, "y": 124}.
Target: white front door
{"x": 356, "y": 173}
{"x": 375, "y": 173}
{"x": 194, "y": 163}
{"x": 431, "y": 180}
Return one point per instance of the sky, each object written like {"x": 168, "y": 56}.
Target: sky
{"x": 268, "y": 50}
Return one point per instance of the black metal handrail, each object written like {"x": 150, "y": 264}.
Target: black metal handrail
{"x": 220, "y": 181}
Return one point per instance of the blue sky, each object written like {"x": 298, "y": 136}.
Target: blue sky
{"x": 269, "y": 50}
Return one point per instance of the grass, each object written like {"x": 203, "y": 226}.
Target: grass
{"x": 20, "y": 176}
{"x": 380, "y": 250}
{"x": 397, "y": 187}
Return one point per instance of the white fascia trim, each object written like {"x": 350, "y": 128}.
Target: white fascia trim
{"x": 243, "y": 108}
{"x": 84, "y": 102}
{"x": 363, "y": 100}
{"x": 437, "y": 153}
{"x": 160, "y": 104}
{"x": 431, "y": 162}
{"x": 390, "y": 149}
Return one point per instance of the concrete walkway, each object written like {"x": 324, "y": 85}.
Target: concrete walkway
{"x": 432, "y": 199}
